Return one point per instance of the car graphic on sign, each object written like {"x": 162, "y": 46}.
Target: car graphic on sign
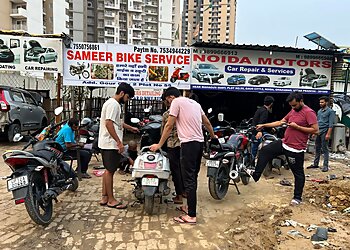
{"x": 236, "y": 79}
{"x": 282, "y": 81}
{"x": 259, "y": 79}
{"x": 206, "y": 72}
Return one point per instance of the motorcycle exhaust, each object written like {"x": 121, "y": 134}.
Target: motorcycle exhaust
{"x": 233, "y": 174}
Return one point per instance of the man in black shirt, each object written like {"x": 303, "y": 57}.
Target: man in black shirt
{"x": 261, "y": 116}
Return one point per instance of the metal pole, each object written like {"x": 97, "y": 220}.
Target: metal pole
{"x": 58, "y": 99}
{"x": 346, "y": 80}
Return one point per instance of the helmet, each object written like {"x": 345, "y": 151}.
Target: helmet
{"x": 86, "y": 122}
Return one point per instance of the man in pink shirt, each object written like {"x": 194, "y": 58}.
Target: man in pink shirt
{"x": 301, "y": 121}
{"x": 189, "y": 117}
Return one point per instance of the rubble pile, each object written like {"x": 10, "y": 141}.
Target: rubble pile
{"x": 335, "y": 194}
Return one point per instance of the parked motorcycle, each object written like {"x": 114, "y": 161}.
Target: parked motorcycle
{"x": 79, "y": 69}
{"x": 227, "y": 161}
{"x": 222, "y": 132}
{"x": 40, "y": 175}
{"x": 179, "y": 74}
{"x": 150, "y": 132}
{"x": 151, "y": 172}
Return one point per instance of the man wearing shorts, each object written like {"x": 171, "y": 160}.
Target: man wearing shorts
{"x": 110, "y": 141}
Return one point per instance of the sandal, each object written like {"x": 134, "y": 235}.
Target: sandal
{"x": 119, "y": 205}
{"x": 104, "y": 203}
{"x": 181, "y": 209}
{"x": 183, "y": 220}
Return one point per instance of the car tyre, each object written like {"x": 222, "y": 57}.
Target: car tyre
{"x": 314, "y": 85}
{"x": 41, "y": 60}
{"x": 13, "y": 129}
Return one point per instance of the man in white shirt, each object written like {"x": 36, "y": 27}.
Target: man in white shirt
{"x": 110, "y": 141}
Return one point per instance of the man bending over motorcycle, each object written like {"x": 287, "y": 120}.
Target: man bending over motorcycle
{"x": 66, "y": 138}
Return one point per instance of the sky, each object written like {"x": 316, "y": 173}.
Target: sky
{"x": 279, "y": 22}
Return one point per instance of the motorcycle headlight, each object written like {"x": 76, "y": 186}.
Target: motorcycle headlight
{"x": 160, "y": 165}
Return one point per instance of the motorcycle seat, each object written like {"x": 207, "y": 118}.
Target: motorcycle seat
{"x": 45, "y": 154}
{"x": 227, "y": 147}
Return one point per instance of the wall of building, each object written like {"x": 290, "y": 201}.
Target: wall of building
{"x": 165, "y": 26}
{"x": 60, "y": 17}
{"x": 5, "y": 20}
{"x": 35, "y": 18}
{"x": 78, "y": 30}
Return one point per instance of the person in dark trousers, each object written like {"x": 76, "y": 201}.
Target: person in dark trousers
{"x": 261, "y": 116}
{"x": 173, "y": 147}
{"x": 128, "y": 157}
{"x": 325, "y": 118}
{"x": 189, "y": 117}
{"x": 301, "y": 121}
{"x": 66, "y": 138}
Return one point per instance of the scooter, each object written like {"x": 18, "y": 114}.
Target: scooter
{"x": 178, "y": 75}
{"x": 151, "y": 171}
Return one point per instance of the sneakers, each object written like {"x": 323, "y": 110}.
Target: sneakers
{"x": 295, "y": 202}
{"x": 312, "y": 166}
{"x": 85, "y": 176}
{"x": 325, "y": 169}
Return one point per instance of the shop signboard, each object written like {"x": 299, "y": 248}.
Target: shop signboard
{"x": 148, "y": 94}
{"x": 106, "y": 65}
{"x": 29, "y": 54}
{"x": 260, "y": 71}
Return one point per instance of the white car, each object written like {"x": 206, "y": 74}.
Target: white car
{"x": 282, "y": 81}
{"x": 315, "y": 81}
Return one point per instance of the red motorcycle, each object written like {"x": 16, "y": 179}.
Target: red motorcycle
{"x": 178, "y": 75}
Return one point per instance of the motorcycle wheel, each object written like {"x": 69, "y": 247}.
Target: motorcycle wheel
{"x": 245, "y": 179}
{"x": 75, "y": 185}
{"x": 86, "y": 74}
{"x": 72, "y": 72}
{"x": 149, "y": 204}
{"x": 268, "y": 169}
{"x": 39, "y": 212}
{"x": 172, "y": 79}
{"x": 218, "y": 185}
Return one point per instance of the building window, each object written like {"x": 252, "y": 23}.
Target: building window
{"x": 89, "y": 4}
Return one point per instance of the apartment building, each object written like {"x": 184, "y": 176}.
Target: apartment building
{"x": 208, "y": 21}
{"x": 34, "y": 16}
{"x": 139, "y": 22}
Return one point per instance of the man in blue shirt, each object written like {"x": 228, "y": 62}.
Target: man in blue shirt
{"x": 325, "y": 118}
{"x": 66, "y": 138}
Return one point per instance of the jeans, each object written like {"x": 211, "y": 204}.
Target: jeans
{"x": 85, "y": 157}
{"x": 321, "y": 144}
{"x": 295, "y": 162}
{"x": 255, "y": 146}
{"x": 175, "y": 167}
{"x": 191, "y": 155}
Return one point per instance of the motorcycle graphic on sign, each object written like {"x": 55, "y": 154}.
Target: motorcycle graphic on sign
{"x": 79, "y": 70}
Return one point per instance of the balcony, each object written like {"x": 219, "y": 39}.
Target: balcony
{"x": 137, "y": 36}
{"x": 111, "y": 5}
{"x": 152, "y": 4}
{"x": 110, "y": 24}
{"x": 138, "y": 1}
{"x": 109, "y": 33}
{"x": 150, "y": 37}
{"x": 137, "y": 17}
{"x": 122, "y": 20}
{"x": 151, "y": 20}
{"x": 136, "y": 9}
{"x": 19, "y": 26}
{"x": 19, "y": 13}
{"x": 151, "y": 12}
{"x": 137, "y": 27}
{"x": 109, "y": 14}
{"x": 18, "y": 1}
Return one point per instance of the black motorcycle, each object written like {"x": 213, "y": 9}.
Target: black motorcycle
{"x": 228, "y": 161}
{"x": 40, "y": 175}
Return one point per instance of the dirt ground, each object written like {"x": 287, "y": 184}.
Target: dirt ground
{"x": 255, "y": 219}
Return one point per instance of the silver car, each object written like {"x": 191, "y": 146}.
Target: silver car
{"x": 315, "y": 81}
{"x": 40, "y": 54}
{"x": 19, "y": 111}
